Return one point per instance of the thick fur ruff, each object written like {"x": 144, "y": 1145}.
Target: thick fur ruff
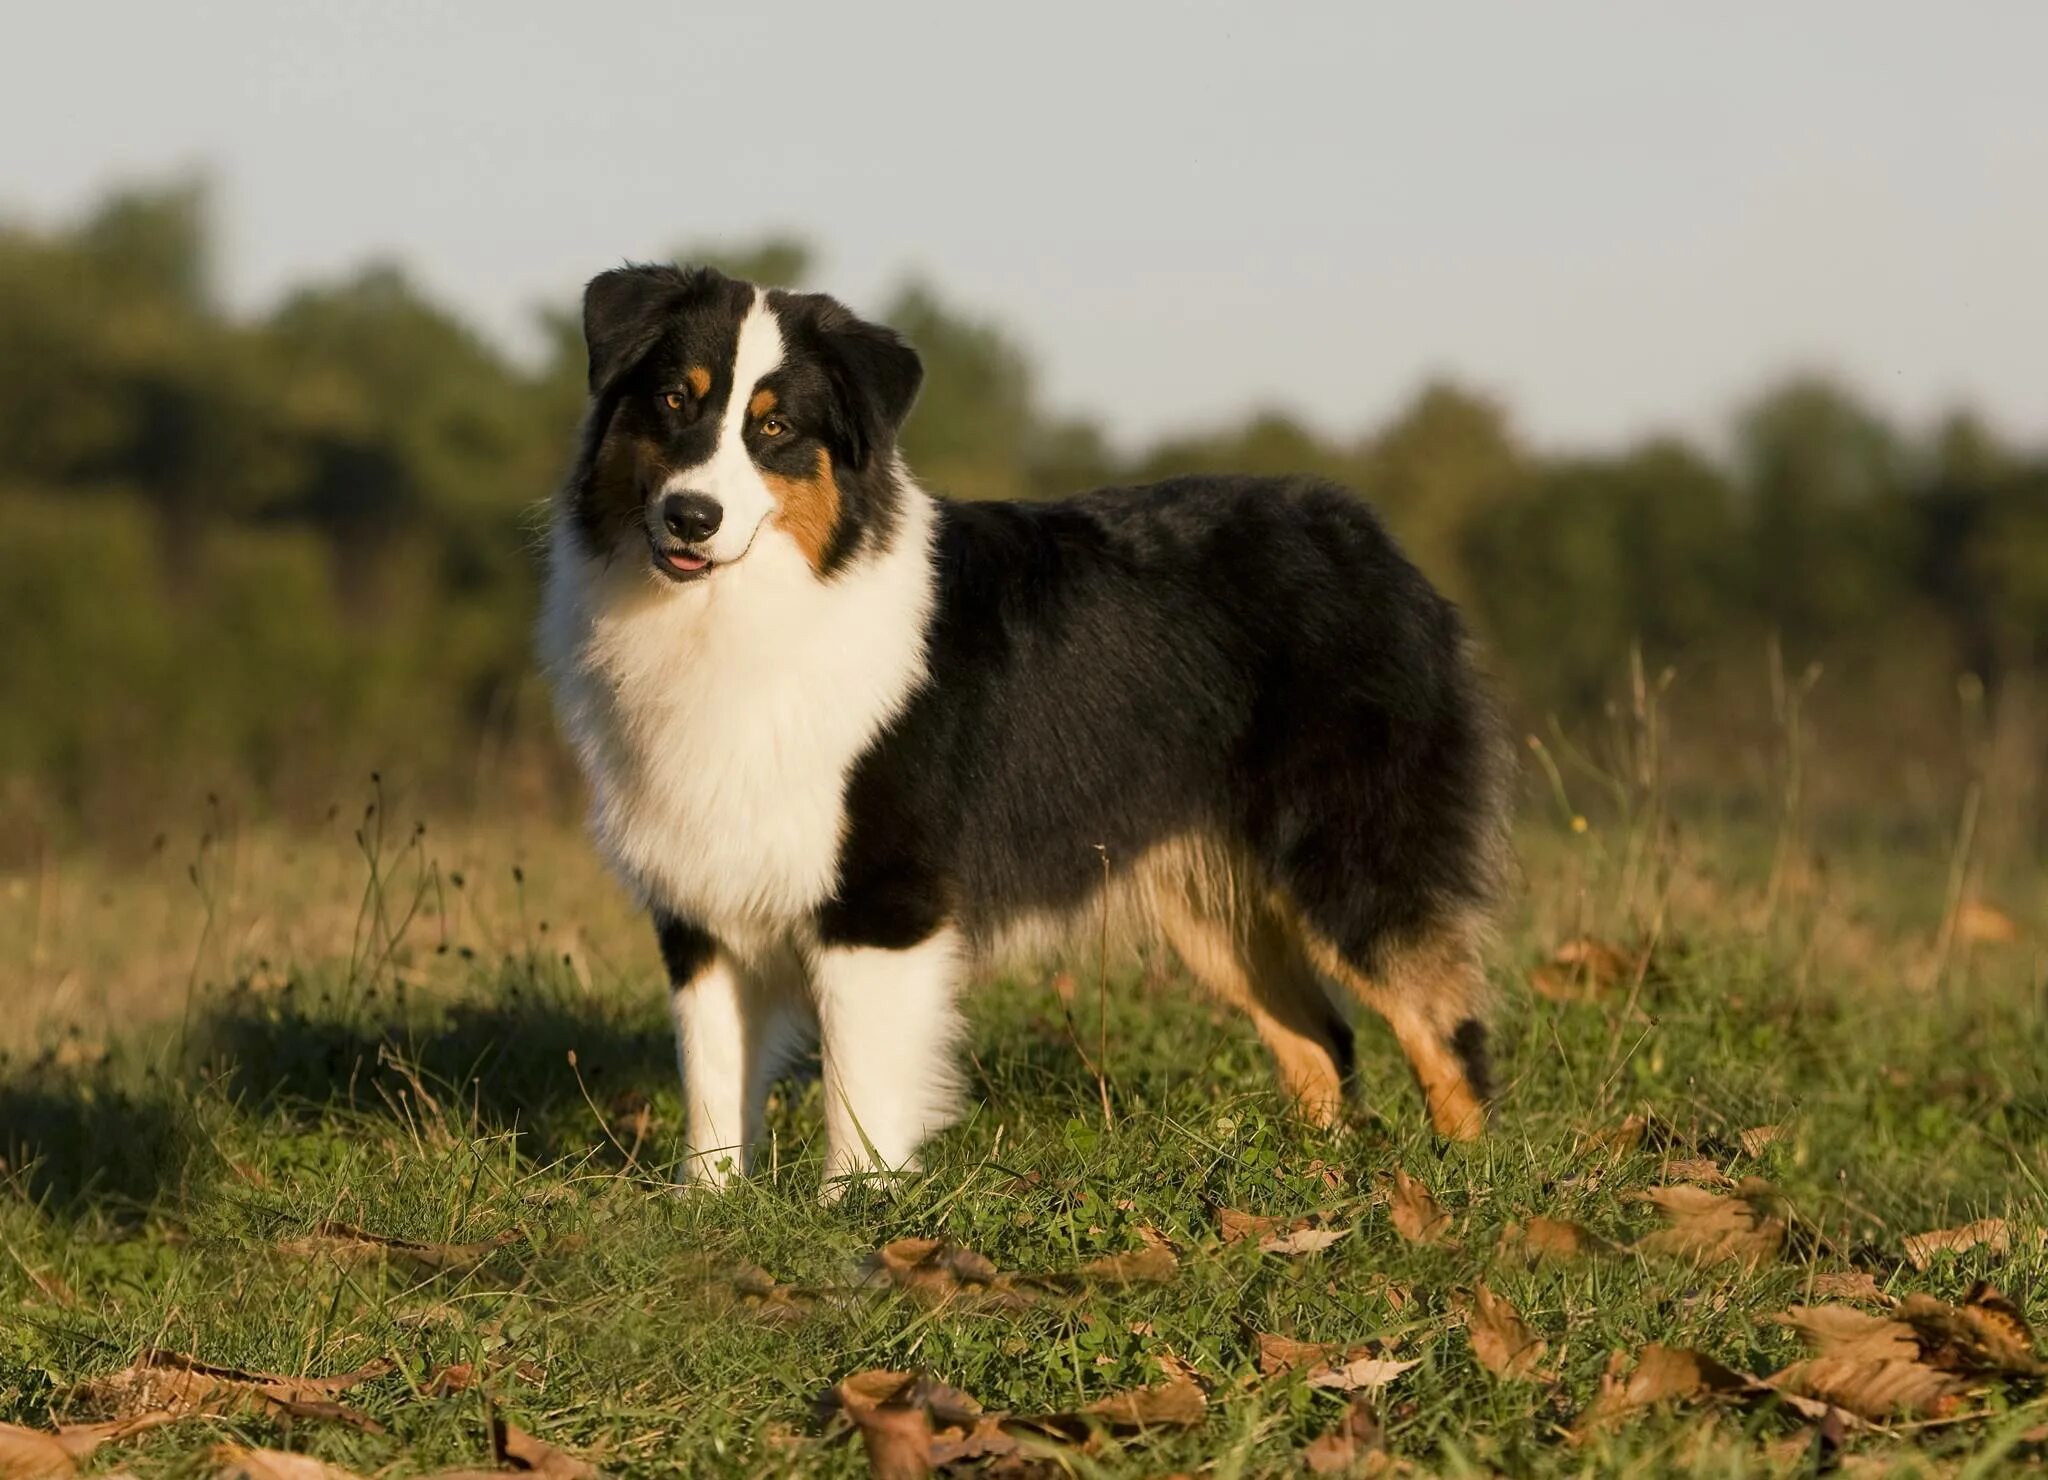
{"x": 844, "y": 737}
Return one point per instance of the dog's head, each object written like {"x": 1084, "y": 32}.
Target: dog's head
{"x": 722, "y": 414}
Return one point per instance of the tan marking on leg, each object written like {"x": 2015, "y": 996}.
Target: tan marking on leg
{"x": 808, "y": 508}
{"x": 1426, "y": 993}
{"x": 699, "y": 381}
{"x": 1257, "y": 970}
{"x": 763, "y": 402}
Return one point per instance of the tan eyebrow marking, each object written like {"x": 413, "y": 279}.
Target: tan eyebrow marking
{"x": 699, "y": 381}
{"x": 764, "y": 402}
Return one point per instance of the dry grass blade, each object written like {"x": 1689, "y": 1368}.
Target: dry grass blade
{"x": 1501, "y": 1339}
{"x": 233, "y": 1462}
{"x": 1662, "y": 1374}
{"x": 1552, "y": 1239}
{"x": 1991, "y": 1234}
{"x": 172, "y": 1384}
{"x": 1712, "y": 1229}
{"x": 1417, "y": 1216}
{"x": 1348, "y": 1447}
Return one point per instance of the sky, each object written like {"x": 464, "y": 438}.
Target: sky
{"x": 1620, "y": 218}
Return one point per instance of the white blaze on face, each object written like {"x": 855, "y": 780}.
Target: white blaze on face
{"x": 729, "y": 474}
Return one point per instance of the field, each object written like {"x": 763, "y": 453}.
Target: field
{"x": 398, "y": 1108}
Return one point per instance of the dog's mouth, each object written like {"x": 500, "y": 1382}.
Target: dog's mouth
{"x": 681, "y": 563}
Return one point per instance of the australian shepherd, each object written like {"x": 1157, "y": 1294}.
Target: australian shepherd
{"x": 846, "y": 738}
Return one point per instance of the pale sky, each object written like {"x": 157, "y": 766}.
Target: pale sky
{"x": 1618, "y": 216}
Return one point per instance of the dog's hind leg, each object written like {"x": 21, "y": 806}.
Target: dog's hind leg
{"x": 1256, "y": 966}
{"x": 1432, "y": 992}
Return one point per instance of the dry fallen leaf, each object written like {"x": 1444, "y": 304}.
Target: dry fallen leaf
{"x": 1711, "y": 1229}
{"x": 1155, "y": 1264}
{"x": 1841, "y": 1331}
{"x": 1163, "y": 1405}
{"x": 1853, "y": 1284}
{"x": 1986, "y": 1333}
{"x": 1991, "y": 1234}
{"x": 1345, "y": 1449}
{"x": 1984, "y": 924}
{"x": 1695, "y": 1169}
{"x": 1662, "y": 1374}
{"x": 1584, "y": 969}
{"x": 233, "y": 1462}
{"x": 516, "y": 1449}
{"x": 1874, "y": 1389}
{"x": 1359, "y": 1373}
{"x": 1278, "y": 1354}
{"x": 344, "y": 1241}
{"x": 1757, "y": 1137}
{"x": 174, "y": 1384}
{"x": 32, "y": 1454}
{"x": 1542, "y": 1239}
{"x": 1236, "y": 1226}
{"x": 1417, "y": 1216}
{"x": 1501, "y": 1339}
{"x": 1301, "y": 1240}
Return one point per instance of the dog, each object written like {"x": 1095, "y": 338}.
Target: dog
{"x": 846, "y": 738}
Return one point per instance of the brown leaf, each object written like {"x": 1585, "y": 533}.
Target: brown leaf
{"x": 32, "y": 1454}
{"x": 1345, "y": 1448}
{"x": 1359, "y": 1373}
{"x": 1301, "y": 1240}
{"x": 1235, "y": 1226}
{"x": 1501, "y": 1340}
{"x": 1853, "y": 1284}
{"x": 1984, "y": 924}
{"x": 1155, "y": 1264}
{"x": 1584, "y": 969}
{"x": 1841, "y": 1331}
{"x": 515, "y": 1449}
{"x": 1696, "y": 1169}
{"x": 1662, "y": 1374}
{"x": 344, "y": 1241}
{"x": 1985, "y": 1334}
{"x": 174, "y": 1384}
{"x": 1278, "y": 1354}
{"x": 898, "y": 1441}
{"x": 234, "y": 1462}
{"x": 1178, "y": 1405}
{"x": 1417, "y": 1216}
{"x": 1875, "y": 1389}
{"x": 1986, "y": 1233}
{"x": 1552, "y": 1239}
{"x": 1757, "y": 1137}
{"x": 1711, "y": 1229}
{"x": 936, "y": 1271}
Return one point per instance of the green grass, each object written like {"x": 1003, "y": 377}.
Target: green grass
{"x": 149, "y": 1199}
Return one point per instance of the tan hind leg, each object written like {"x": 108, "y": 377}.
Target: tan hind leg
{"x": 1432, "y": 995}
{"x": 1258, "y": 968}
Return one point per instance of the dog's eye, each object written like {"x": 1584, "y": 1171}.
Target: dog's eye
{"x": 675, "y": 400}
{"x": 773, "y": 426}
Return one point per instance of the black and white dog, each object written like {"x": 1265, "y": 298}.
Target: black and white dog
{"x": 846, "y": 738}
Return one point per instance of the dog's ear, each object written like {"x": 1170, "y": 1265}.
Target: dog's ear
{"x": 874, "y": 374}
{"x": 623, "y": 314}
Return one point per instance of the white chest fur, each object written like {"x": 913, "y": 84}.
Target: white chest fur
{"x": 717, "y": 722}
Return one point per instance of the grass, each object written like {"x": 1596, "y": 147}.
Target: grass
{"x": 459, "y": 1073}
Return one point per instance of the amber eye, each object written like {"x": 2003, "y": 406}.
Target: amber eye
{"x": 773, "y": 426}
{"x": 674, "y": 400}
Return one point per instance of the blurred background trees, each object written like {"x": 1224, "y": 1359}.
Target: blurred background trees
{"x": 255, "y": 553}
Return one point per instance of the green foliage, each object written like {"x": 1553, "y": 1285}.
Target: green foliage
{"x": 288, "y": 542}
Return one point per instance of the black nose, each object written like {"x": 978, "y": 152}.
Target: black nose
{"x": 691, "y": 517}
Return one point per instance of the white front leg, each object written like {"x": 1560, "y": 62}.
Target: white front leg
{"x": 888, "y": 1028}
{"x": 734, "y": 1030}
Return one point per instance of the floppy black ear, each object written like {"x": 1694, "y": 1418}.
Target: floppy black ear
{"x": 875, "y": 376}
{"x": 623, "y": 314}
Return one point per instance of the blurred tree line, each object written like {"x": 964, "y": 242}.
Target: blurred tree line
{"x": 259, "y": 552}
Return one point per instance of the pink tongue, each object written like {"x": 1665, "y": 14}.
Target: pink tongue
{"x": 684, "y": 561}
